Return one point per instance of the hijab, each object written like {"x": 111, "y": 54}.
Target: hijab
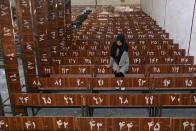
{"x": 122, "y": 48}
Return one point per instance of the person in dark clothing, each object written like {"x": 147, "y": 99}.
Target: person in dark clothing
{"x": 119, "y": 59}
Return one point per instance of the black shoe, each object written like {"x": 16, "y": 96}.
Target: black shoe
{"x": 116, "y": 74}
{"x": 120, "y": 74}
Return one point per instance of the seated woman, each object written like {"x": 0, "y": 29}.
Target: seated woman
{"x": 119, "y": 59}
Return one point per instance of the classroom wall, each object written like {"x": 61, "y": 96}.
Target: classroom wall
{"x": 104, "y": 2}
{"x": 193, "y": 39}
{"x": 175, "y": 16}
{"x": 82, "y": 2}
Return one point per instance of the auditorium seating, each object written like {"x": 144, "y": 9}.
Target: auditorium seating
{"x": 104, "y": 83}
{"x": 102, "y": 69}
{"x": 95, "y": 124}
{"x": 104, "y": 100}
{"x": 57, "y": 60}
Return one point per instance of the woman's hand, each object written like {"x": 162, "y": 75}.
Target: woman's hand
{"x": 118, "y": 69}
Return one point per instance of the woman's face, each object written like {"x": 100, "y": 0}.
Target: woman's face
{"x": 119, "y": 43}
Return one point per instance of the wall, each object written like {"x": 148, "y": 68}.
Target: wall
{"x": 82, "y": 2}
{"x": 103, "y": 2}
{"x": 117, "y": 2}
{"x": 175, "y": 16}
{"x": 193, "y": 39}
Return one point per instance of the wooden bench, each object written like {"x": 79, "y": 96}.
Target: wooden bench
{"x": 9, "y": 50}
{"x": 181, "y": 60}
{"x": 89, "y": 124}
{"x": 138, "y": 124}
{"x": 121, "y": 83}
{"x": 132, "y": 36}
{"x": 104, "y": 83}
{"x": 172, "y": 69}
{"x": 47, "y": 100}
{"x": 103, "y": 100}
{"x": 183, "y": 124}
{"x": 106, "y": 53}
{"x": 59, "y": 83}
{"x": 154, "y": 102}
{"x": 172, "y": 83}
{"x": 88, "y": 71}
{"x": 124, "y": 124}
{"x": 106, "y": 45}
{"x": 64, "y": 71}
{"x": 37, "y": 123}
{"x": 155, "y": 71}
{"x": 133, "y": 69}
{"x": 180, "y": 83}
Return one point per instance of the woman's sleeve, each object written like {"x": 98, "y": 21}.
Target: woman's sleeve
{"x": 125, "y": 66}
{"x": 111, "y": 61}
{"x": 127, "y": 62}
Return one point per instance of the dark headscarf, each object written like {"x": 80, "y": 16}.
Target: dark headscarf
{"x": 122, "y": 48}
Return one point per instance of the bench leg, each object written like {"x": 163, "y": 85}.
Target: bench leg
{"x": 1, "y": 107}
{"x": 83, "y": 111}
{"x": 160, "y": 111}
{"x": 150, "y": 111}
{"x": 153, "y": 112}
{"x": 88, "y": 112}
{"x": 35, "y": 111}
{"x": 91, "y": 112}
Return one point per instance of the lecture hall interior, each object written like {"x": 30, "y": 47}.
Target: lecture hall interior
{"x": 97, "y": 65}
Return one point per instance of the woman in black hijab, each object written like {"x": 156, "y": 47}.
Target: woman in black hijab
{"x": 119, "y": 59}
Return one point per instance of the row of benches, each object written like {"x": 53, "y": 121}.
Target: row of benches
{"x": 115, "y": 16}
{"x": 71, "y": 83}
{"x": 116, "y": 24}
{"x": 132, "y": 48}
{"x": 86, "y": 48}
{"x": 143, "y": 18}
{"x": 103, "y": 100}
{"x": 95, "y": 124}
{"x": 130, "y": 34}
{"x": 108, "y": 36}
{"x": 106, "y": 45}
{"x": 9, "y": 48}
{"x": 133, "y": 42}
{"x": 133, "y": 69}
{"x": 101, "y": 53}
{"x": 118, "y": 20}
{"x": 109, "y": 27}
{"x": 8, "y": 45}
{"x": 180, "y": 60}
{"x": 127, "y": 31}
{"x": 121, "y": 16}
